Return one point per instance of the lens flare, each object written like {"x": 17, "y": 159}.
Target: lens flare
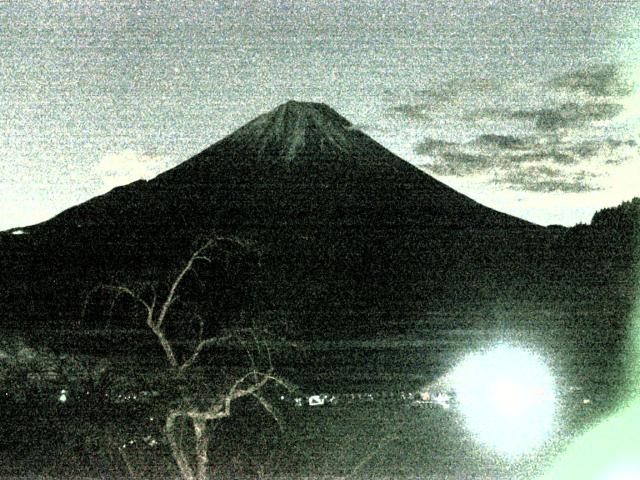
{"x": 507, "y": 397}
{"x": 609, "y": 451}
{"x": 623, "y": 471}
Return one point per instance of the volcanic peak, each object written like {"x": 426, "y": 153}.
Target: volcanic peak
{"x": 294, "y": 126}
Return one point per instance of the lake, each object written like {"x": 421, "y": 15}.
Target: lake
{"x": 388, "y": 436}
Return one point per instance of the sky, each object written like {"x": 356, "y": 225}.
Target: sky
{"x": 530, "y": 107}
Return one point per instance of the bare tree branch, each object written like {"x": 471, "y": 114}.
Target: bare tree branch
{"x": 209, "y": 342}
{"x": 120, "y": 290}
{"x": 269, "y": 408}
{"x": 250, "y": 356}
{"x": 174, "y": 286}
{"x": 250, "y": 384}
{"x": 166, "y": 346}
{"x": 221, "y": 408}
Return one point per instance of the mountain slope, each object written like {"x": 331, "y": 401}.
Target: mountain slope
{"x": 346, "y": 229}
{"x": 300, "y": 164}
{"x": 348, "y": 241}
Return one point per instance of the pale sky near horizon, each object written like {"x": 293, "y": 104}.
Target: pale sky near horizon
{"x": 530, "y": 107}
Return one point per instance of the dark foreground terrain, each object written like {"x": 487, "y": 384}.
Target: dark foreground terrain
{"x": 113, "y": 428}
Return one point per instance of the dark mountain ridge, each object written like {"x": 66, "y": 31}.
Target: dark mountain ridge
{"x": 351, "y": 238}
{"x": 300, "y": 164}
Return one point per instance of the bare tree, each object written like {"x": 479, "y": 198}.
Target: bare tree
{"x": 202, "y": 411}
{"x": 250, "y": 384}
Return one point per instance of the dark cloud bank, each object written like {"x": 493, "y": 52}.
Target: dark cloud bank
{"x": 512, "y": 160}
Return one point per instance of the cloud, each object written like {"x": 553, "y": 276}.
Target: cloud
{"x": 614, "y": 149}
{"x": 460, "y": 164}
{"x": 543, "y": 163}
{"x": 504, "y": 168}
{"x": 431, "y": 145}
{"x": 413, "y": 111}
{"x": 490, "y": 150}
{"x": 450, "y": 158}
{"x": 120, "y": 168}
{"x": 454, "y": 88}
{"x": 598, "y": 81}
{"x": 569, "y": 115}
{"x": 443, "y": 92}
{"x": 567, "y": 134}
{"x": 548, "y": 179}
{"x": 549, "y": 155}
{"x": 500, "y": 141}
{"x": 443, "y": 96}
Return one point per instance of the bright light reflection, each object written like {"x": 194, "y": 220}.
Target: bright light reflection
{"x": 609, "y": 451}
{"x": 507, "y": 396}
{"x": 623, "y": 472}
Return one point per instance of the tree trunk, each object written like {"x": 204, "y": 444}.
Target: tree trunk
{"x": 166, "y": 346}
{"x": 202, "y": 447}
{"x": 176, "y": 450}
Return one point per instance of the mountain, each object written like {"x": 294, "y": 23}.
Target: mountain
{"x": 349, "y": 234}
{"x": 342, "y": 240}
{"x": 299, "y": 164}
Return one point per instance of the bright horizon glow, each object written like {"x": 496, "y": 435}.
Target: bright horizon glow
{"x": 507, "y": 396}
{"x": 624, "y": 471}
{"x": 608, "y": 451}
